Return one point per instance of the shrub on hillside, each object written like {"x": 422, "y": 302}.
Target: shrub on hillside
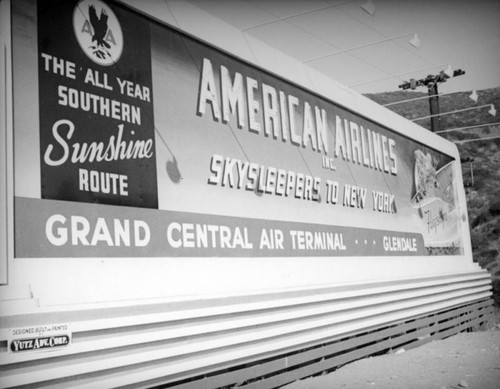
{"x": 495, "y": 284}
{"x": 486, "y": 257}
{"x": 495, "y": 208}
{"x": 478, "y": 241}
{"x": 481, "y": 218}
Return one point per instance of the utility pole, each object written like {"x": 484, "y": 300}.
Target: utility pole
{"x": 432, "y": 82}
{"x": 432, "y": 88}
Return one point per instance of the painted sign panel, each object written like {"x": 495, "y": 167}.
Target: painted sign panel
{"x": 96, "y": 110}
{"x": 75, "y": 230}
{"x": 229, "y": 159}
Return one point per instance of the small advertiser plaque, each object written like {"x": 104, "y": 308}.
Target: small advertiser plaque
{"x": 47, "y": 337}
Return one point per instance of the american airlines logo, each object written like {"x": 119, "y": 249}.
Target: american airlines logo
{"x": 98, "y": 32}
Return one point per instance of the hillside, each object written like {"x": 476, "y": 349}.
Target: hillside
{"x": 483, "y": 181}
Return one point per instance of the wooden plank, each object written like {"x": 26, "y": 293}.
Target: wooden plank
{"x": 419, "y": 325}
{"x": 189, "y": 309}
{"x": 330, "y": 363}
{"x": 312, "y": 351}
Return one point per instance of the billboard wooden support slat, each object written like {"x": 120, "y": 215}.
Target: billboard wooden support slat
{"x": 178, "y": 321}
{"x": 479, "y": 313}
{"x": 147, "y": 360}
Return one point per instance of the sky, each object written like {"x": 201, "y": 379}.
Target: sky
{"x": 371, "y": 53}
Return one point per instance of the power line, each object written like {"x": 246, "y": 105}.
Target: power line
{"x": 286, "y": 18}
{"x": 468, "y": 127}
{"x": 476, "y": 140}
{"x": 394, "y": 76}
{"x": 419, "y": 98}
{"x": 450, "y": 112}
{"x": 404, "y": 47}
{"x": 363, "y": 46}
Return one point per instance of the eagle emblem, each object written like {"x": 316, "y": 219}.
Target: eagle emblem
{"x": 98, "y": 31}
{"x": 100, "y": 28}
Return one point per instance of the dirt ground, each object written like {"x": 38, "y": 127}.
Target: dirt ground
{"x": 466, "y": 360}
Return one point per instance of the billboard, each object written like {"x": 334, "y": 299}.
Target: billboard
{"x": 154, "y": 144}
